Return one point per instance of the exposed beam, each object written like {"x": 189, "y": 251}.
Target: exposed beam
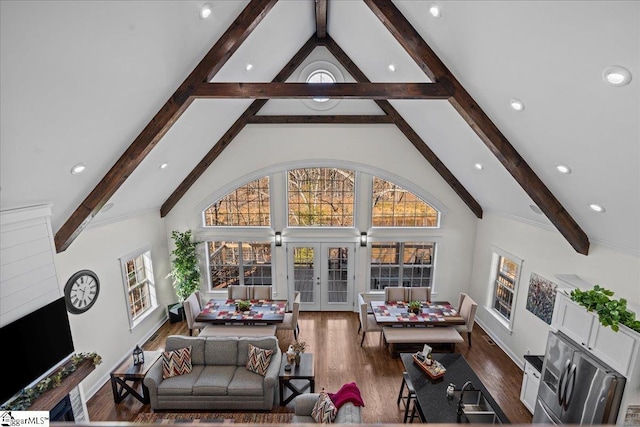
{"x": 332, "y": 119}
{"x": 488, "y": 132}
{"x": 234, "y": 130}
{"x": 281, "y": 90}
{"x": 321, "y": 19}
{"x": 407, "y": 130}
{"x": 217, "y": 56}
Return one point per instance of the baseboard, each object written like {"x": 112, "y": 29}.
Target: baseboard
{"x": 501, "y": 344}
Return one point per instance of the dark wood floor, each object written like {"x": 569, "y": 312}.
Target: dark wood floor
{"x": 333, "y": 339}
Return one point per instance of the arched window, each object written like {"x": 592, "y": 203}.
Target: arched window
{"x": 393, "y": 206}
{"x": 246, "y": 206}
{"x": 320, "y": 197}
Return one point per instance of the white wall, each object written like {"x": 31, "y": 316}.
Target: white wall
{"x": 105, "y": 327}
{"x": 546, "y": 253}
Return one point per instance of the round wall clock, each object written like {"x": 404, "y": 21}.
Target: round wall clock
{"x": 81, "y": 291}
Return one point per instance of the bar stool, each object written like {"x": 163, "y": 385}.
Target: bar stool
{"x": 408, "y": 398}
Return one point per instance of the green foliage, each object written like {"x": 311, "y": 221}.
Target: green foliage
{"x": 185, "y": 271}
{"x": 611, "y": 312}
{"x": 415, "y": 306}
{"x": 243, "y": 305}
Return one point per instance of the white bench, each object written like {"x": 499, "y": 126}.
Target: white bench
{"x": 416, "y": 337}
{"x": 238, "y": 331}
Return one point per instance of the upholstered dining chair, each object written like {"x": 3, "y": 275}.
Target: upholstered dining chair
{"x": 262, "y": 292}
{"x": 192, "y": 307}
{"x": 420, "y": 293}
{"x": 239, "y": 292}
{"x": 367, "y": 321}
{"x": 396, "y": 293}
{"x": 290, "y": 322}
{"x": 467, "y": 309}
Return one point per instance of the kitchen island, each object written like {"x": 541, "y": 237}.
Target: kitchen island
{"x": 433, "y": 405}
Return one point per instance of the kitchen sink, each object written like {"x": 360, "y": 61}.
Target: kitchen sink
{"x": 481, "y": 418}
{"x": 476, "y": 409}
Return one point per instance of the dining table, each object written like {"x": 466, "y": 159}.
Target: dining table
{"x": 225, "y": 311}
{"x": 431, "y": 313}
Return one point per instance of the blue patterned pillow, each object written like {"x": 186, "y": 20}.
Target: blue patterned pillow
{"x": 176, "y": 362}
{"x": 324, "y": 411}
{"x": 258, "y": 360}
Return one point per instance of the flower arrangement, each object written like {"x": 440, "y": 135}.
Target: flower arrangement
{"x": 299, "y": 346}
{"x": 415, "y": 307}
{"x": 243, "y": 305}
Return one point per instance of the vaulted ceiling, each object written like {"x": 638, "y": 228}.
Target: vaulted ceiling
{"x": 119, "y": 85}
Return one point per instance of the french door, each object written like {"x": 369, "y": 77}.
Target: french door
{"x": 323, "y": 273}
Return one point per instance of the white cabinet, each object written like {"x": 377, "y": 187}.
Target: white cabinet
{"x": 530, "y": 383}
{"x": 616, "y": 349}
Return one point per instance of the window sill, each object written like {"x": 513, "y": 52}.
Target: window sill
{"x": 140, "y": 319}
{"x": 501, "y": 320}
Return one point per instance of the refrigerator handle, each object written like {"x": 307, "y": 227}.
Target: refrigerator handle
{"x": 569, "y": 386}
{"x": 561, "y": 385}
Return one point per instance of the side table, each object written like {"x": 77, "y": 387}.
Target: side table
{"x": 127, "y": 371}
{"x": 303, "y": 372}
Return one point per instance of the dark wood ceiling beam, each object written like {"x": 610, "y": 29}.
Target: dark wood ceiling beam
{"x": 234, "y": 130}
{"x": 281, "y": 90}
{"x": 407, "y": 130}
{"x": 321, "y": 18}
{"x": 331, "y": 119}
{"x": 488, "y": 132}
{"x": 217, "y": 56}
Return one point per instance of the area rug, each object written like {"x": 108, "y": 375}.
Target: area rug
{"x": 213, "y": 417}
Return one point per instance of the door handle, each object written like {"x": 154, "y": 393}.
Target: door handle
{"x": 560, "y": 387}
{"x": 568, "y": 392}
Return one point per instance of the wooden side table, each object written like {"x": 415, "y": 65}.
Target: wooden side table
{"x": 135, "y": 374}
{"x": 303, "y": 372}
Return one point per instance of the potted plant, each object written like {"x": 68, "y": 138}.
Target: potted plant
{"x": 611, "y": 312}
{"x": 415, "y": 307}
{"x": 185, "y": 271}
{"x": 243, "y": 305}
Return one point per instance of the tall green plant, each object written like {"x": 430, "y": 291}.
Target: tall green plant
{"x": 185, "y": 272}
{"x": 611, "y": 312}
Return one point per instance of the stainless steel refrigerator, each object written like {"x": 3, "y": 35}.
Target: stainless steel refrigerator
{"x": 576, "y": 388}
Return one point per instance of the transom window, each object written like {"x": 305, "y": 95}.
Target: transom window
{"x": 139, "y": 284}
{"x": 393, "y": 206}
{"x": 239, "y": 263}
{"x": 320, "y": 197}
{"x": 401, "y": 264}
{"x": 246, "y": 206}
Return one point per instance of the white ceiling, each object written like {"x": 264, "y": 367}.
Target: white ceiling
{"x": 79, "y": 80}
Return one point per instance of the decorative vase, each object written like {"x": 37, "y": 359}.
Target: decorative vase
{"x": 296, "y": 361}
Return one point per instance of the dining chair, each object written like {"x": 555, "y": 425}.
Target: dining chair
{"x": 367, "y": 321}
{"x": 420, "y": 293}
{"x": 290, "y": 322}
{"x": 396, "y": 293}
{"x": 467, "y": 309}
{"x": 192, "y": 307}
{"x": 238, "y": 292}
{"x": 264, "y": 292}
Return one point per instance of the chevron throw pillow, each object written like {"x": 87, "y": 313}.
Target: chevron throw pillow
{"x": 324, "y": 411}
{"x": 259, "y": 359}
{"x": 176, "y": 362}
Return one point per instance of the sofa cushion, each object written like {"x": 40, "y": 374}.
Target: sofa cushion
{"x": 268, "y": 343}
{"x": 181, "y": 385}
{"x": 246, "y": 383}
{"x": 324, "y": 411}
{"x": 176, "y": 362}
{"x": 214, "y": 380}
{"x": 259, "y": 359}
{"x": 221, "y": 351}
{"x": 175, "y": 342}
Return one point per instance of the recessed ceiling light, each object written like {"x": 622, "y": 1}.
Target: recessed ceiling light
{"x": 205, "y": 11}
{"x": 536, "y": 209}
{"x": 562, "y": 168}
{"x": 596, "y": 208}
{"x": 434, "y": 10}
{"x": 164, "y": 165}
{"x": 106, "y": 208}
{"x": 248, "y": 67}
{"x": 516, "y": 104}
{"x": 392, "y": 67}
{"x": 479, "y": 166}
{"x": 616, "y": 76}
{"x": 79, "y": 168}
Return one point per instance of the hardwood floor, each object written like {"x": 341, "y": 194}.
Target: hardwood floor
{"x": 333, "y": 339}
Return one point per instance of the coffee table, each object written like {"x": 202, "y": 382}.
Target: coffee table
{"x": 304, "y": 373}
{"x": 127, "y": 371}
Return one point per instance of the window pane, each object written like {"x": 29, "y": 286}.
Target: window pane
{"x": 224, "y": 264}
{"x": 394, "y": 206}
{"x": 320, "y": 197}
{"x": 401, "y": 264}
{"x": 417, "y": 264}
{"x": 337, "y": 272}
{"x": 139, "y": 273}
{"x": 505, "y": 283}
{"x": 245, "y": 206}
{"x": 239, "y": 263}
{"x": 257, "y": 263}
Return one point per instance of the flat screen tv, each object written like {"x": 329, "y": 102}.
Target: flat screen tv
{"x": 36, "y": 343}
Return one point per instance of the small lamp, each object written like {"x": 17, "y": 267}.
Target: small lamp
{"x": 138, "y": 356}
{"x": 363, "y": 239}
{"x": 278, "y": 238}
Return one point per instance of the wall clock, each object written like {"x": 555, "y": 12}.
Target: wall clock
{"x": 81, "y": 291}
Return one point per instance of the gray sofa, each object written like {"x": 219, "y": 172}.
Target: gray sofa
{"x": 303, "y": 405}
{"x": 219, "y": 378}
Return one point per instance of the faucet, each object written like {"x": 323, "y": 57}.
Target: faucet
{"x": 466, "y": 386}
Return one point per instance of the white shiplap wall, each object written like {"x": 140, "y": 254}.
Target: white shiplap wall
{"x": 28, "y": 277}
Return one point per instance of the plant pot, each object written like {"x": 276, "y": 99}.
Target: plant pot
{"x": 176, "y": 312}
{"x": 296, "y": 361}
